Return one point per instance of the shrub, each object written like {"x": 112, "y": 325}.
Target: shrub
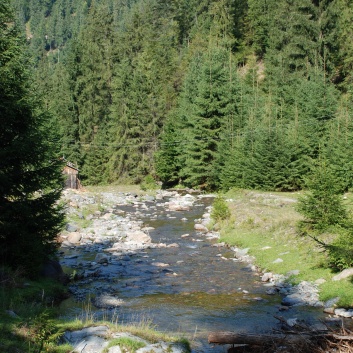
{"x": 220, "y": 209}
{"x": 148, "y": 183}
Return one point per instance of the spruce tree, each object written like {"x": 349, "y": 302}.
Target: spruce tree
{"x": 167, "y": 166}
{"x": 30, "y": 172}
{"x": 205, "y": 116}
{"x": 322, "y": 207}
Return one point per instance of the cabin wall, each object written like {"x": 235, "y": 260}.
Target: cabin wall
{"x": 71, "y": 181}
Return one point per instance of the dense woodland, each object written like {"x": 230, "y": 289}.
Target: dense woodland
{"x": 210, "y": 93}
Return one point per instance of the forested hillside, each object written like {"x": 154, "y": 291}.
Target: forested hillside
{"x": 211, "y": 93}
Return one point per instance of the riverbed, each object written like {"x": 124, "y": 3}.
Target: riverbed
{"x": 183, "y": 282}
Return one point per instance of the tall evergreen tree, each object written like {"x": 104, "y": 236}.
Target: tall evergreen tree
{"x": 205, "y": 118}
{"x": 30, "y": 172}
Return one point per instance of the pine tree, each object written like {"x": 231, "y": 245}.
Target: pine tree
{"x": 205, "y": 117}
{"x": 323, "y": 206}
{"x": 30, "y": 173}
{"x": 259, "y": 17}
{"x": 94, "y": 81}
{"x": 143, "y": 91}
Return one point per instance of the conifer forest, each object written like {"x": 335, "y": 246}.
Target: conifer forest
{"x": 210, "y": 93}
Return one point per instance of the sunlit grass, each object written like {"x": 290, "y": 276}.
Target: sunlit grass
{"x": 266, "y": 224}
{"x": 127, "y": 344}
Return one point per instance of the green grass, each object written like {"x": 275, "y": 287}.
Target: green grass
{"x": 126, "y": 344}
{"x": 38, "y": 324}
{"x": 266, "y": 223}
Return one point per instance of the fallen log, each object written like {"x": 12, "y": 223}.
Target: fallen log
{"x": 258, "y": 339}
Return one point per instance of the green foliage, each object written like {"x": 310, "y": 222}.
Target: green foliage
{"x": 34, "y": 329}
{"x": 126, "y": 344}
{"x": 167, "y": 167}
{"x": 340, "y": 251}
{"x": 41, "y": 331}
{"x": 323, "y": 206}
{"x": 324, "y": 212}
{"x": 30, "y": 173}
{"x": 220, "y": 209}
{"x": 148, "y": 183}
{"x": 215, "y": 93}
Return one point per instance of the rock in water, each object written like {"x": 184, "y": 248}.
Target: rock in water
{"x": 107, "y": 301}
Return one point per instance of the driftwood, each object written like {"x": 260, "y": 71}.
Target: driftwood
{"x": 258, "y": 339}
{"x": 300, "y": 338}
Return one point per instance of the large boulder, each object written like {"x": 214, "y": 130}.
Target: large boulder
{"x": 138, "y": 237}
{"x": 74, "y": 237}
{"x": 53, "y": 270}
{"x": 200, "y": 228}
{"x": 102, "y": 258}
{"x": 88, "y": 340}
{"x": 71, "y": 227}
{"x": 348, "y": 272}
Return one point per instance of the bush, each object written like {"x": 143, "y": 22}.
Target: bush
{"x": 220, "y": 209}
{"x": 340, "y": 251}
{"x": 148, "y": 183}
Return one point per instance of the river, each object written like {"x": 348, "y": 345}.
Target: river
{"x": 190, "y": 289}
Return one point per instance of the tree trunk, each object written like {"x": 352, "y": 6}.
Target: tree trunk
{"x": 258, "y": 339}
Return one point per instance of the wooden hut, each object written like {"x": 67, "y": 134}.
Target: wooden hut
{"x": 72, "y": 181}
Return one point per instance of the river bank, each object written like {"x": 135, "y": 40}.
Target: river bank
{"x": 262, "y": 226}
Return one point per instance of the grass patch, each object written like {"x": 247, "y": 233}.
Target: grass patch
{"x": 27, "y": 314}
{"x": 126, "y": 344}
{"x": 36, "y": 326}
{"x": 265, "y": 223}
{"x": 146, "y": 330}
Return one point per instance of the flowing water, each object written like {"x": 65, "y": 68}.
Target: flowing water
{"x": 200, "y": 289}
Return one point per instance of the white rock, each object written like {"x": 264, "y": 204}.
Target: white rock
{"x": 159, "y": 264}
{"x": 292, "y": 322}
{"x": 343, "y": 312}
{"x": 74, "y": 237}
{"x": 348, "y": 272}
{"x": 200, "y": 228}
{"x": 173, "y": 245}
{"x": 138, "y": 237}
{"x": 266, "y": 276}
{"x": 107, "y": 301}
